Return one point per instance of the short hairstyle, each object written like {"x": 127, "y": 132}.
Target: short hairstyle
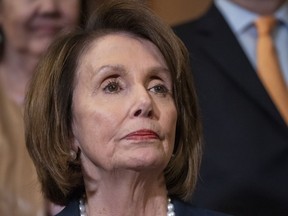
{"x": 48, "y": 113}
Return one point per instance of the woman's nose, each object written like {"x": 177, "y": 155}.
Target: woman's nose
{"x": 143, "y": 104}
{"x": 48, "y": 6}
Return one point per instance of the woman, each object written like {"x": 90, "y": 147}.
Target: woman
{"x": 111, "y": 118}
{"x": 26, "y": 29}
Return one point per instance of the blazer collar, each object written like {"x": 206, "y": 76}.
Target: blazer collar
{"x": 212, "y": 28}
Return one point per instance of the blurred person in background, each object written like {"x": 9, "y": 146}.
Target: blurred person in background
{"x": 244, "y": 169}
{"x": 27, "y": 28}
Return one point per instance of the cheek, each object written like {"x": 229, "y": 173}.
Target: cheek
{"x": 71, "y": 13}
{"x": 15, "y": 26}
{"x": 169, "y": 116}
{"x": 12, "y": 22}
{"x": 96, "y": 128}
{"x": 96, "y": 138}
{"x": 14, "y": 32}
{"x": 17, "y": 12}
{"x": 169, "y": 122}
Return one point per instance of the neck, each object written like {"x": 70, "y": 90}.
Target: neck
{"x": 262, "y": 7}
{"x": 129, "y": 195}
{"x": 16, "y": 69}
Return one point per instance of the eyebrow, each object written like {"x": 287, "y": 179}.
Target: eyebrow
{"x": 115, "y": 68}
{"x": 121, "y": 70}
{"x": 159, "y": 69}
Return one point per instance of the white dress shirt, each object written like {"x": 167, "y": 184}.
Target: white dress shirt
{"x": 241, "y": 22}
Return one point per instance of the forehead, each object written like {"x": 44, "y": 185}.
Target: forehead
{"x": 120, "y": 48}
{"x": 113, "y": 43}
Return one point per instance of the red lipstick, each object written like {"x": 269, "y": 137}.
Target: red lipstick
{"x": 142, "y": 135}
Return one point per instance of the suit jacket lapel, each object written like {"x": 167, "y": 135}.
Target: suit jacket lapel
{"x": 229, "y": 55}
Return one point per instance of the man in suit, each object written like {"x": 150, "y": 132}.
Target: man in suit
{"x": 245, "y": 164}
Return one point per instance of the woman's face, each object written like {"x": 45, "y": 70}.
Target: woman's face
{"x": 124, "y": 115}
{"x": 29, "y": 26}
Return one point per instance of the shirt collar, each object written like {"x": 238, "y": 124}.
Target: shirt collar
{"x": 239, "y": 19}
{"x": 282, "y": 14}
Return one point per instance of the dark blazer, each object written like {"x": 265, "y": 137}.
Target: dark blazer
{"x": 245, "y": 165}
{"x": 181, "y": 209}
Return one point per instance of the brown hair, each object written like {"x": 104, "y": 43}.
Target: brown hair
{"x": 48, "y": 113}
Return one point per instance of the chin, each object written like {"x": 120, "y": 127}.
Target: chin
{"x": 39, "y": 47}
{"x": 147, "y": 162}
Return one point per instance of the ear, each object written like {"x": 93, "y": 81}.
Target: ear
{"x": 74, "y": 144}
{"x": 74, "y": 149}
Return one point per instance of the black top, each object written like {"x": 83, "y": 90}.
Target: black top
{"x": 181, "y": 209}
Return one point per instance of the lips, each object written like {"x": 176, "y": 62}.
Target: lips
{"x": 143, "y": 134}
{"x": 45, "y": 26}
{"x": 46, "y": 30}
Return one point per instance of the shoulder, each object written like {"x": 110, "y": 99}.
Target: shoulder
{"x": 186, "y": 209}
{"x": 72, "y": 209}
{"x": 202, "y": 24}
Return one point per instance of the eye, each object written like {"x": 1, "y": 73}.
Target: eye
{"x": 112, "y": 87}
{"x": 159, "y": 89}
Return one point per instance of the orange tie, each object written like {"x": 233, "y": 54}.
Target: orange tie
{"x": 269, "y": 70}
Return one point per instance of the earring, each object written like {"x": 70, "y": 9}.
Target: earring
{"x": 73, "y": 155}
